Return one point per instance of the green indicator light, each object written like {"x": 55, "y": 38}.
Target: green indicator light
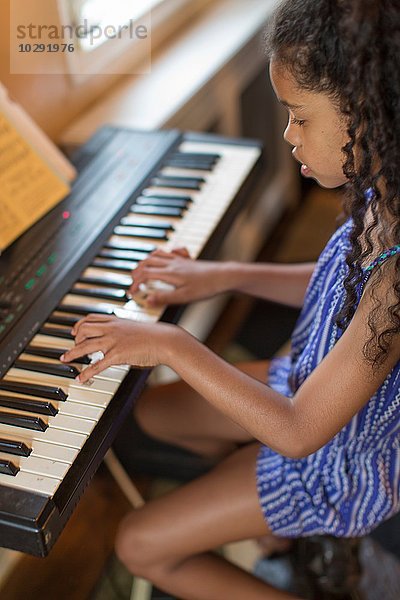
{"x": 30, "y": 284}
{"x": 2, "y": 328}
{"x": 41, "y": 271}
{"x": 9, "y": 318}
{"x": 52, "y": 259}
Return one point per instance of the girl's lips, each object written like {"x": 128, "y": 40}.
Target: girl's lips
{"x": 305, "y": 171}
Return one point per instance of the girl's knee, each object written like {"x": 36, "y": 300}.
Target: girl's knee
{"x": 138, "y": 547}
{"x": 133, "y": 545}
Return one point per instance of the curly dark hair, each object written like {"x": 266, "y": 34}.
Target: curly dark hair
{"x": 350, "y": 50}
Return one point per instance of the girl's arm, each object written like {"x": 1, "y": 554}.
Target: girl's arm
{"x": 283, "y": 283}
{"x": 334, "y": 392}
{"x": 198, "y": 279}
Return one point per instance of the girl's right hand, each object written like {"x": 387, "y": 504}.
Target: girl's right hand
{"x": 192, "y": 279}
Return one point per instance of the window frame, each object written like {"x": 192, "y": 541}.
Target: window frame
{"x": 125, "y": 54}
{"x": 76, "y": 8}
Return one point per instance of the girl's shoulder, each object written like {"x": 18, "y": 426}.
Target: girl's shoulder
{"x": 340, "y": 238}
{"x": 336, "y": 249}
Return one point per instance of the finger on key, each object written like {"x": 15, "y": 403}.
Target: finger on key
{"x": 87, "y": 331}
{"x": 84, "y": 349}
{"x": 94, "y": 369}
{"x": 90, "y": 318}
{"x": 182, "y": 251}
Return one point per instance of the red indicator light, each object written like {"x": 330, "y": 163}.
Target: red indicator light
{"x": 66, "y": 214}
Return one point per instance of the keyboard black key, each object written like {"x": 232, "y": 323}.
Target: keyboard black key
{"x": 195, "y": 158}
{"x": 8, "y": 468}
{"x": 132, "y": 221}
{"x": 14, "y": 447}
{"x": 158, "y": 211}
{"x": 59, "y": 370}
{"x": 142, "y": 232}
{"x": 24, "y": 421}
{"x": 100, "y": 292}
{"x": 133, "y": 255}
{"x": 117, "y": 265}
{"x": 148, "y": 194}
{"x": 131, "y": 246}
{"x": 197, "y": 155}
{"x": 62, "y": 320}
{"x": 190, "y": 164}
{"x": 199, "y": 162}
{"x": 40, "y": 407}
{"x": 161, "y": 201}
{"x": 54, "y": 353}
{"x": 56, "y": 332}
{"x": 85, "y": 309}
{"x": 179, "y": 183}
{"x": 34, "y": 389}
{"x": 109, "y": 282}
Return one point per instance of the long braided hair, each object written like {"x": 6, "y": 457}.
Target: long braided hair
{"x": 350, "y": 50}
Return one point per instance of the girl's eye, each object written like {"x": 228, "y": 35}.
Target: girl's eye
{"x": 299, "y": 122}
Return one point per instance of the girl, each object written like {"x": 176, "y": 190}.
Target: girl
{"x": 317, "y": 450}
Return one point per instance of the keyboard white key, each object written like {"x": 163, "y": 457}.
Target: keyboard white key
{"x": 179, "y": 172}
{"x": 32, "y": 482}
{"x": 83, "y": 411}
{"x": 43, "y": 449}
{"x": 70, "y": 386}
{"x": 83, "y": 394}
{"x": 39, "y": 466}
{"x": 68, "y": 407}
{"x": 50, "y": 436}
{"x": 60, "y": 421}
{"x": 116, "y": 374}
{"x": 95, "y": 302}
{"x": 108, "y": 275}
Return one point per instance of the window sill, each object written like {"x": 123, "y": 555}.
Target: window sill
{"x": 126, "y": 55}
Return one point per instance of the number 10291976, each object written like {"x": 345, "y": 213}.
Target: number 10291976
{"x": 46, "y": 48}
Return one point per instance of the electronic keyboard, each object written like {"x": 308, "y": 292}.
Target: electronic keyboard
{"x": 136, "y": 191}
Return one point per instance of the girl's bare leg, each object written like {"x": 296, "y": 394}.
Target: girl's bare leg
{"x": 176, "y": 414}
{"x": 169, "y": 540}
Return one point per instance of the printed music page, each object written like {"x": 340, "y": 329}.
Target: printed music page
{"x": 35, "y": 136}
{"x": 29, "y": 187}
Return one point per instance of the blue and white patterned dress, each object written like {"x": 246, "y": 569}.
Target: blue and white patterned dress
{"x": 352, "y": 483}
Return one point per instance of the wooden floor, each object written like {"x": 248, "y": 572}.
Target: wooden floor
{"x": 72, "y": 569}
{"x": 74, "y": 566}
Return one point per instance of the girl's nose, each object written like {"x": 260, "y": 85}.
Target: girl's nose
{"x": 291, "y": 136}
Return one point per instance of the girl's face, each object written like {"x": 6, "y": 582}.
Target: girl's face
{"x": 316, "y": 129}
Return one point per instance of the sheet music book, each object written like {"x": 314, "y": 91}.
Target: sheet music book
{"x": 34, "y": 175}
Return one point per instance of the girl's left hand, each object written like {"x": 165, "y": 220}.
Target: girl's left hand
{"x": 122, "y": 342}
